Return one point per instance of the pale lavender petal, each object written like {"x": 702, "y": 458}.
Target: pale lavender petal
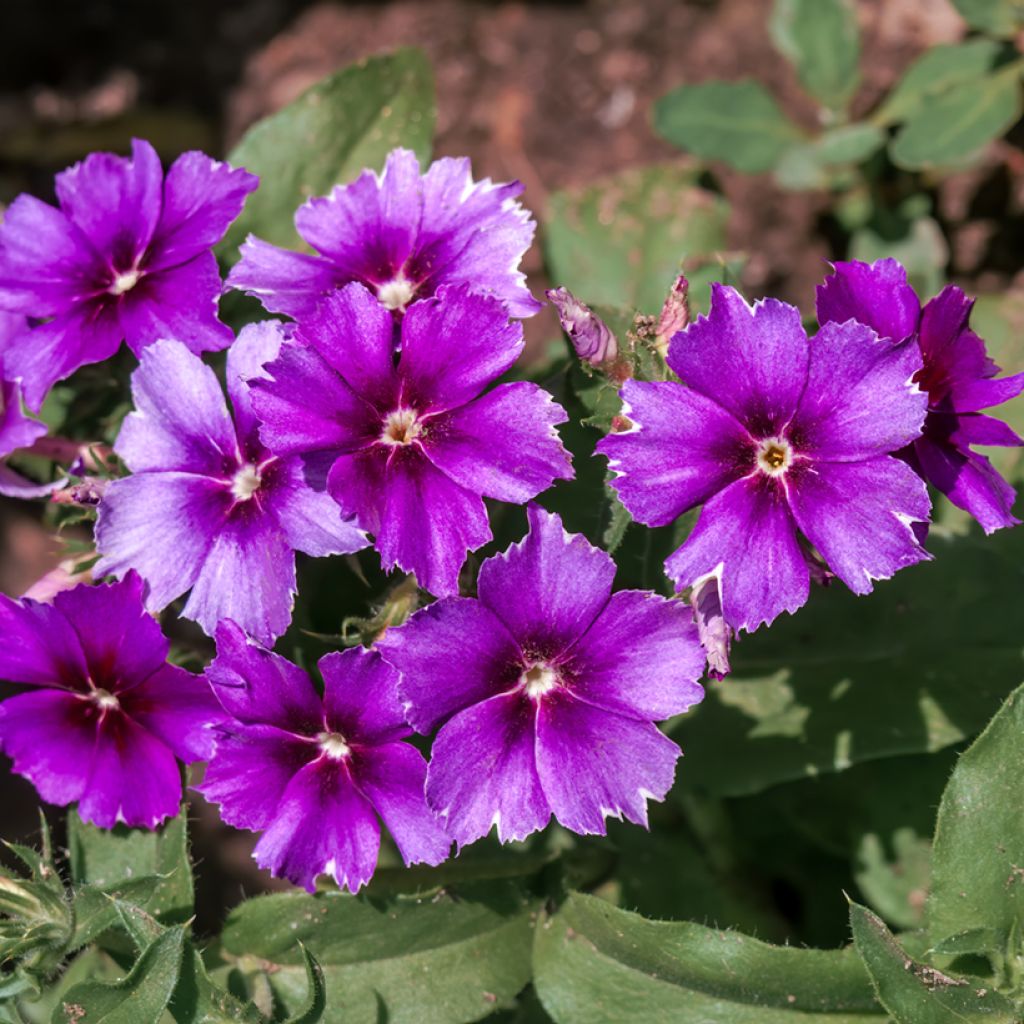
{"x": 430, "y": 650}
{"x": 13, "y": 485}
{"x": 746, "y": 535}
{"x": 876, "y": 295}
{"x": 483, "y": 772}
{"x": 257, "y": 344}
{"x": 361, "y": 697}
{"x": 40, "y": 647}
{"x": 594, "y": 764}
{"x": 293, "y": 283}
{"x": 324, "y": 826}
{"x": 503, "y": 445}
{"x": 641, "y": 657}
{"x": 751, "y": 360}
{"x": 548, "y": 588}
{"x": 180, "y": 420}
{"x": 859, "y": 400}
{"x": 859, "y": 515}
{"x": 201, "y": 197}
{"x": 681, "y": 449}
{"x": 392, "y": 776}
{"x": 16, "y": 429}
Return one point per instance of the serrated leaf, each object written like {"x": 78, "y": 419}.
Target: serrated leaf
{"x": 915, "y": 993}
{"x": 621, "y": 241}
{"x": 851, "y": 679}
{"x": 345, "y": 123}
{"x": 738, "y": 122}
{"x": 595, "y": 964}
{"x": 821, "y": 40}
{"x": 998, "y": 17}
{"x": 316, "y": 1004}
{"x": 978, "y": 859}
{"x": 957, "y": 125}
{"x": 96, "y": 909}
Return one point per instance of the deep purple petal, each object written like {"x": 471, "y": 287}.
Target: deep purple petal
{"x": 483, "y": 772}
{"x": 453, "y": 346}
{"x": 115, "y": 201}
{"x": 201, "y": 197}
{"x": 16, "y": 429}
{"x": 40, "y": 647}
{"x": 983, "y": 394}
{"x": 594, "y": 764}
{"x": 257, "y": 344}
{"x": 503, "y": 445}
{"x": 858, "y": 516}
{"x": 180, "y": 421}
{"x": 682, "y": 449}
{"x": 178, "y": 302}
{"x": 361, "y": 697}
{"x": 747, "y": 534}
{"x": 358, "y": 483}
{"x": 751, "y": 360}
{"x": 258, "y": 687}
{"x": 641, "y": 657}
{"x": 392, "y": 777}
{"x": 974, "y": 428}
{"x": 145, "y": 516}
{"x": 293, "y": 283}
{"x": 952, "y": 354}
{"x": 451, "y": 654}
{"x": 324, "y": 825}
{"x": 548, "y": 588}
{"x": 876, "y": 295}
{"x": 859, "y": 401}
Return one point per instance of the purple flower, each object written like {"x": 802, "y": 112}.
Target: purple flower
{"x": 591, "y": 337}
{"x": 774, "y": 434}
{"x": 107, "y": 717}
{"x": 126, "y": 256}
{"x": 957, "y": 376}
{"x": 207, "y": 507}
{"x": 546, "y": 689}
{"x": 412, "y": 444}
{"x": 314, "y": 774}
{"x": 402, "y": 234}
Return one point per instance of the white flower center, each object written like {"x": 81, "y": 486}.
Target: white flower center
{"x": 538, "y": 680}
{"x": 246, "y": 482}
{"x": 401, "y": 427}
{"x": 774, "y": 456}
{"x": 334, "y": 746}
{"x": 104, "y": 700}
{"x": 396, "y": 293}
{"x": 124, "y": 282}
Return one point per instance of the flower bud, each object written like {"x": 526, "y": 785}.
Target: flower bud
{"x": 675, "y": 313}
{"x": 589, "y": 334}
{"x": 714, "y": 632}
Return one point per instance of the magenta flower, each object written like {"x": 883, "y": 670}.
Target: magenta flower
{"x": 402, "y": 234}
{"x": 106, "y": 717}
{"x": 314, "y": 774}
{"x": 957, "y": 376}
{"x": 412, "y": 444}
{"x": 207, "y": 507}
{"x": 546, "y": 689}
{"x": 776, "y": 435}
{"x": 126, "y": 256}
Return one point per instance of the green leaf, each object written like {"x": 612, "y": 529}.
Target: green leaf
{"x": 738, "y": 122}
{"x": 140, "y": 998}
{"x": 915, "y": 993}
{"x": 621, "y": 242}
{"x": 978, "y": 861}
{"x": 936, "y": 72}
{"x": 455, "y": 956}
{"x": 594, "y": 964}
{"x": 345, "y": 123}
{"x": 812, "y": 165}
{"x": 820, "y": 39}
{"x": 316, "y": 1005}
{"x": 109, "y": 858}
{"x": 998, "y": 17}
{"x": 197, "y": 1000}
{"x": 851, "y": 679}
{"x": 96, "y": 909}
{"x": 953, "y": 128}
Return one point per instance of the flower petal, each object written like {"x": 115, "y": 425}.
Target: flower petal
{"x": 40, "y": 647}
{"x": 594, "y": 764}
{"x": 293, "y": 283}
{"x": 357, "y": 482}
{"x": 682, "y": 449}
{"x": 876, "y": 295}
{"x": 430, "y": 650}
{"x": 983, "y": 394}
{"x": 974, "y": 428}
{"x": 361, "y": 697}
{"x": 747, "y": 534}
{"x": 858, "y": 515}
{"x": 256, "y": 345}
{"x": 16, "y": 429}
{"x": 483, "y": 772}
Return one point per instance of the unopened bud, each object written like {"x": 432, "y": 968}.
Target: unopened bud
{"x": 675, "y": 313}
{"x": 589, "y": 334}
{"x": 712, "y": 629}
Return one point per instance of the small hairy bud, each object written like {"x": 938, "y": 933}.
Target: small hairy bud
{"x": 714, "y": 632}
{"x": 675, "y": 313}
{"x": 589, "y": 334}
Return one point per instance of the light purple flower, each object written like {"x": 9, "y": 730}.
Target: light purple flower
{"x": 207, "y": 507}
{"x": 546, "y": 690}
{"x": 412, "y": 444}
{"x": 775, "y": 435}
{"x": 591, "y": 337}
{"x": 106, "y": 717}
{"x": 126, "y": 256}
{"x": 402, "y": 234}
{"x": 314, "y": 774}
{"x": 957, "y": 376}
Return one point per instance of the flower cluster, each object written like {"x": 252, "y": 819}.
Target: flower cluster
{"x": 376, "y": 416}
